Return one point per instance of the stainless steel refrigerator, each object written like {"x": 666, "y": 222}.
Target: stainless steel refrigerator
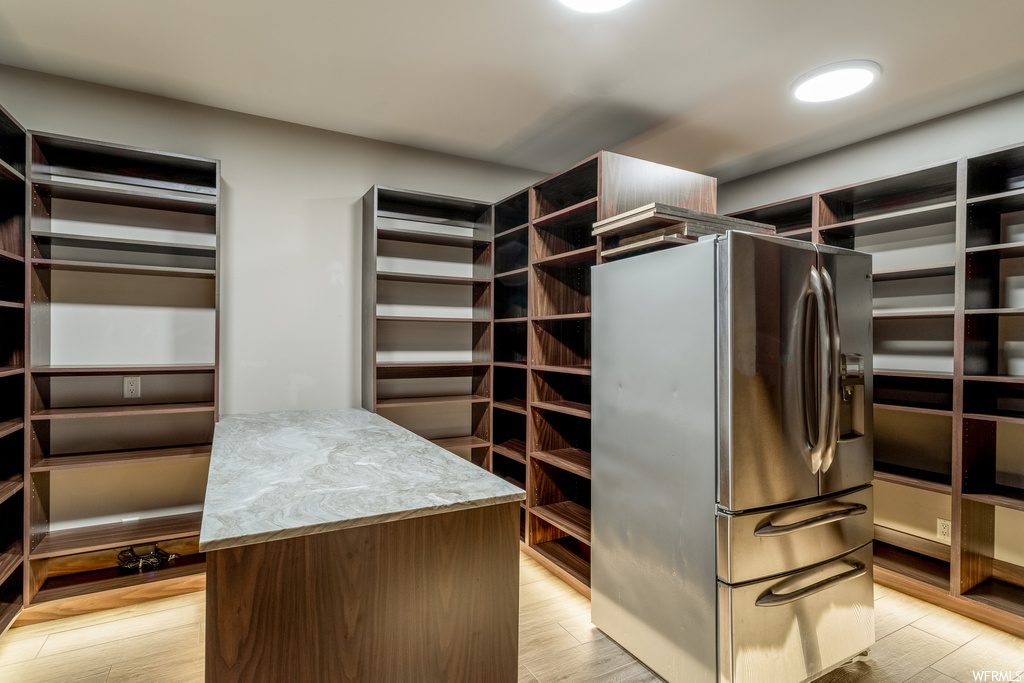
{"x": 732, "y": 458}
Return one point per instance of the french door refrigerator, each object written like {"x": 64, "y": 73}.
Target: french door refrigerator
{"x": 732, "y": 458}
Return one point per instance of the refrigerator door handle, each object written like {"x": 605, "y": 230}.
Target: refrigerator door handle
{"x": 772, "y": 599}
{"x": 816, "y": 402}
{"x": 827, "y": 518}
{"x": 834, "y": 359}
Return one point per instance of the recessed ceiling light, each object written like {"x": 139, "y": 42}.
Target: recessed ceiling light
{"x": 594, "y": 6}
{"x": 834, "y": 81}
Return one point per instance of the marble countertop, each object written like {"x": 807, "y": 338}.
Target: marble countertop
{"x": 282, "y": 475}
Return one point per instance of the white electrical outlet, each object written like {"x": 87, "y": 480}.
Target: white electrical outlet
{"x": 132, "y": 387}
{"x": 942, "y": 529}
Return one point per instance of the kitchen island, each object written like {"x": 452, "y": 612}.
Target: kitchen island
{"x": 342, "y": 547}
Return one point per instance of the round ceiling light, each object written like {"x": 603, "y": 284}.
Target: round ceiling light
{"x": 835, "y": 81}
{"x": 594, "y": 6}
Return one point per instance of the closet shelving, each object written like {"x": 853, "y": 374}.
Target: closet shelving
{"x": 122, "y": 274}
{"x": 428, "y": 316}
{"x": 520, "y": 367}
{"x": 948, "y": 246}
{"x": 12, "y": 367}
{"x": 544, "y": 250}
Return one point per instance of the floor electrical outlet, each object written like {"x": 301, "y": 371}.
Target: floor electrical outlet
{"x": 132, "y": 387}
{"x": 942, "y": 529}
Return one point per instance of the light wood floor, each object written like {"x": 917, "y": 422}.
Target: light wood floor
{"x": 162, "y": 642}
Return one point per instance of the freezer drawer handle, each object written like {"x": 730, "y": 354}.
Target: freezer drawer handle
{"x": 770, "y": 599}
{"x": 827, "y": 518}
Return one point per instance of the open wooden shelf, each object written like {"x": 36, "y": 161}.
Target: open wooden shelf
{"x": 514, "y": 449}
{"x": 568, "y": 369}
{"x": 914, "y": 478}
{"x": 428, "y": 319}
{"x": 568, "y": 257}
{"x": 430, "y": 400}
{"x": 460, "y": 442}
{"x": 77, "y": 189}
{"x": 564, "y": 316}
{"x": 415, "y": 369}
{"x": 11, "y": 304}
{"x": 9, "y": 612}
{"x": 999, "y": 495}
{"x": 942, "y": 212}
{"x": 435, "y": 238}
{"x": 914, "y": 409}
{"x": 914, "y": 313}
{"x": 1000, "y": 594}
{"x": 1005, "y": 379}
{"x": 910, "y": 273}
{"x": 122, "y": 411}
{"x": 10, "y": 371}
{"x": 515, "y": 405}
{"x": 994, "y": 311}
{"x": 573, "y": 460}
{"x": 993, "y": 417}
{"x": 11, "y": 486}
{"x": 511, "y": 231}
{"x": 11, "y": 426}
{"x": 1011, "y": 198}
{"x": 564, "y": 559}
{"x": 8, "y": 172}
{"x": 11, "y": 256}
{"x": 115, "y": 244}
{"x": 86, "y": 583}
{"x": 915, "y": 565}
{"x": 102, "y": 459}
{"x": 566, "y": 407}
{"x": 570, "y": 517}
{"x": 10, "y": 560}
{"x": 103, "y": 536}
{"x": 430, "y": 279}
{"x": 512, "y": 273}
{"x": 122, "y": 369}
{"x": 913, "y": 374}
{"x": 510, "y": 364}
{"x": 567, "y": 212}
{"x": 1006, "y": 250}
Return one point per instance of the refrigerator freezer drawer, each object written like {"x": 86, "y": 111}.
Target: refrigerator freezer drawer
{"x": 757, "y": 545}
{"x": 794, "y": 628}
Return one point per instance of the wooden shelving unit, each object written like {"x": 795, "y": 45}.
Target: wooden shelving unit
{"x": 122, "y": 258}
{"x": 13, "y": 501}
{"x": 948, "y": 245}
{"x": 428, "y": 316}
{"x": 507, "y": 383}
{"x": 544, "y": 250}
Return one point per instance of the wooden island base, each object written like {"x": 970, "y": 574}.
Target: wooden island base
{"x": 433, "y": 598}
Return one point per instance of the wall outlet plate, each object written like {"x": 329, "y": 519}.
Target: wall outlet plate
{"x": 942, "y": 529}
{"x": 132, "y": 387}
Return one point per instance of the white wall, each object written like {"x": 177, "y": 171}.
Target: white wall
{"x": 978, "y": 129}
{"x": 290, "y": 230}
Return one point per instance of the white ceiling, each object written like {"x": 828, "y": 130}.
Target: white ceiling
{"x": 700, "y": 84}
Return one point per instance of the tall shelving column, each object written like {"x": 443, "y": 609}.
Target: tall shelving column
{"x": 12, "y": 367}
{"x": 946, "y": 241}
{"x": 122, "y": 368}
{"x": 561, "y": 252}
{"x": 427, "y": 311}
